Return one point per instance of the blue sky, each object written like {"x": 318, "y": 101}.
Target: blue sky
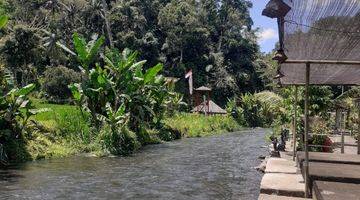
{"x": 268, "y": 34}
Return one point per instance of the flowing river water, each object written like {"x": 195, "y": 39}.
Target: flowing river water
{"x": 219, "y": 167}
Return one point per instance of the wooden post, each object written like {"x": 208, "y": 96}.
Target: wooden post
{"x": 358, "y": 133}
{"x": 205, "y": 111}
{"x": 342, "y": 129}
{"x": 295, "y": 122}
{"x": 306, "y": 134}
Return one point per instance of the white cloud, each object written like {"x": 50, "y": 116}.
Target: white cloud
{"x": 267, "y": 34}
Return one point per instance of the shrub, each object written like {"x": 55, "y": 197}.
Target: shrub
{"x": 169, "y": 134}
{"x": 56, "y": 81}
{"x": 236, "y": 111}
{"x": 251, "y": 110}
{"x": 119, "y": 141}
{"x": 262, "y": 109}
{"x": 323, "y": 140}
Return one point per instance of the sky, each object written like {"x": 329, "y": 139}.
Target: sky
{"x": 268, "y": 34}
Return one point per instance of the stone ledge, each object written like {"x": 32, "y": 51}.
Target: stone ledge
{"x": 274, "y": 197}
{"x": 291, "y": 185}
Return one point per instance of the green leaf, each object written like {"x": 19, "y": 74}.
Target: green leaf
{"x": 109, "y": 110}
{"x": 80, "y": 47}
{"x": 109, "y": 63}
{"x": 101, "y": 79}
{"x": 25, "y": 90}
{"x": 138, "y": 65}
{"x": 121, "y": 110}
{"x": 152, "y": 73}
{"x": 94, "y": 49}
{"x": 3, "y": 21}
{"x": 76, "y": 91}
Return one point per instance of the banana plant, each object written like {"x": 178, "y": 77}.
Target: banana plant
{"x": 115, "y": 118}
{"x": 85, "y": 52}
{"x": 16, "y": 108}
{"x": 140, "y": 89}
{"x": 119, "y": 92}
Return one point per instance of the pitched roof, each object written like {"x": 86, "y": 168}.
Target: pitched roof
{"x": 213, "y": 108}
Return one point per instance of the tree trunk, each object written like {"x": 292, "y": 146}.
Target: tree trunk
{"x": 107, "y": 23}
{"x": 220, "y": 41}
{"x": 181, "y": 56}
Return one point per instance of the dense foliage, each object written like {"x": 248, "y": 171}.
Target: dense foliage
{"x": 212, "y": 37}
{"x": 119, "y": 94}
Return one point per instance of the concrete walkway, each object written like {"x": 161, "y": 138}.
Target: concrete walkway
{"x": 283, "y": 179}
{"x": 275, "y": 197}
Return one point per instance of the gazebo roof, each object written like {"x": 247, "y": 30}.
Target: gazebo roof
{"x": 203, "y": 88}
{"x": 325, "y": 33}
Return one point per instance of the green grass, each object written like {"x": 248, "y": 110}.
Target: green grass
{"x": 55, "y": 111}
{"x": 195, "y": 125}
{"x": 64, "y": 131}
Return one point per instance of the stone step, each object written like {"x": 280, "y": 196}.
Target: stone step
{"x": 323, "y": 190}
{"x": 280, "y": 165}
{"x": 291, "y": 185}
{"x": 343, "y": 173}
{"x": 274, "y": 197}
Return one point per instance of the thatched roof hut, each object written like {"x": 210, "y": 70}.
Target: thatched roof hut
{"x": 212, "y": 109}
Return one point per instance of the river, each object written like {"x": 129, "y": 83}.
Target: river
{"x": 218, "y": 167}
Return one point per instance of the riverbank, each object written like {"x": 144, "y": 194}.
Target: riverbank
{"x": 63, "y": 131}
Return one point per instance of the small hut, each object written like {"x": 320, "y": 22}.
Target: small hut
{"x": 204, "y": 104}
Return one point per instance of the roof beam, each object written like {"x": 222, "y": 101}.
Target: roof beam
{"x": 330, "y": 62}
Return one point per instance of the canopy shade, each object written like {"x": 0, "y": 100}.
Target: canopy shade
{"x": 322, "y": 30}
{"x": 321, "y": 74}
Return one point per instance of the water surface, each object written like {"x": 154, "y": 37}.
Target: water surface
{"x": 219, "y": 167}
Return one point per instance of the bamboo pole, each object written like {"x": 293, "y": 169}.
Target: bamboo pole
{"x": 295, "y": 122}
{"x": 306, "y": 162}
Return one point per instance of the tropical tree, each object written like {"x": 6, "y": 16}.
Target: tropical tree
{"x": 120, "y": 93}
{"x": 23, "y": 54}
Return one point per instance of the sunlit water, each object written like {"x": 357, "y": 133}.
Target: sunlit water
{"x": 218, "y": 167}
